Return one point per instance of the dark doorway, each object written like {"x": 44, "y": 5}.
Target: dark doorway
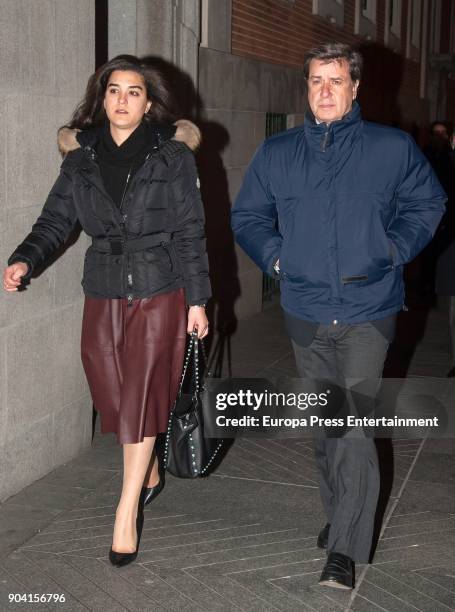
{"x": 101, "y": 32}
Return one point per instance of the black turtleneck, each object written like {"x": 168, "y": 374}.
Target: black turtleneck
{"x": 117, "y": 162}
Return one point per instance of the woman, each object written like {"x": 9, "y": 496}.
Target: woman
{"x": 134, "y": 190}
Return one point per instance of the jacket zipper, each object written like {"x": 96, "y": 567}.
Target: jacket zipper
{"x": 129, "y": 273}
{"x": 324, "y": 141}
{"x": 124, "y": 216}
{"x": 129, "y": 270}
{"x": 323, "y": 149}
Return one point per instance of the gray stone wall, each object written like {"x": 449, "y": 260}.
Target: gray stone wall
{"x": 237, "y": 93}
{"x": 167, "y": 29}
{"x": 46, "y": 54}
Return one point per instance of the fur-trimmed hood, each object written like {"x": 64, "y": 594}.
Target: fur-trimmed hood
{"x": 186, "y": 132}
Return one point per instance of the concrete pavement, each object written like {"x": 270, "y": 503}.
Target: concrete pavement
{"x": 244, "y": 538}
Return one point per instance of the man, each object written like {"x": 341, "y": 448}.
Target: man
{"x": 440, "y": 155}
{"x": 336, "y": 207}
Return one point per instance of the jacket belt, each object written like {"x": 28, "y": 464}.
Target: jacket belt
{"x": 118, "y": 246}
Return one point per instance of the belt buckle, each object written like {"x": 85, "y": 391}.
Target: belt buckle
{"x": 116, "y": 247}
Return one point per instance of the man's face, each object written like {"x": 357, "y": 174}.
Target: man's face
{"x": 330, "y": 89}
{"x": 440, "y": 131}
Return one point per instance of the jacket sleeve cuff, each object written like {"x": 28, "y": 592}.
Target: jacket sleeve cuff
{"x": 199, "y": 302}
{"x": 17, "y": 258}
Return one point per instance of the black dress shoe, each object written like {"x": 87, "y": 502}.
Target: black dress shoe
{"x": 451, "y": 373}
{"x": 118, "y": 558}
{"x": 323, "y": 536}
{"x": 149, "y": 493}
{"x": 338, "y": 572}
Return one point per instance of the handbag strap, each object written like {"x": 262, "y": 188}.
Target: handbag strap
{"x": 208, "y": 373}
{"x": 187, "y": 361}
{"x": 196, "y": 362}
{"x": 194, "y": 344}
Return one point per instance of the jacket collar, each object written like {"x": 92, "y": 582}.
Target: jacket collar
{"x": 72, "y": 139}
{"x": 337, "y": 133}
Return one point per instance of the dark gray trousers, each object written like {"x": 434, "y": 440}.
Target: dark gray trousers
{"x": 348, "y": 466}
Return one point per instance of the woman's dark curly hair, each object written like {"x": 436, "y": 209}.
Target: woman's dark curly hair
{"x": 90, "y": 111}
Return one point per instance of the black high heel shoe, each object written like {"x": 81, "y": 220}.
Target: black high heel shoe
{"x": 149, "y": 493}
{"x": 118, "y": 558}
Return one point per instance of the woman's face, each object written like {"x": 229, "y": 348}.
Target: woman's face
{"x": 125, "y": 99}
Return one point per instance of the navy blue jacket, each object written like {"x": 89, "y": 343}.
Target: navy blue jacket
{"x": 343, "y": 207}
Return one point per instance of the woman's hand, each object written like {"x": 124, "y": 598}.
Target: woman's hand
{"x": 13, "y": 274}
{"x": 197, "y": 320}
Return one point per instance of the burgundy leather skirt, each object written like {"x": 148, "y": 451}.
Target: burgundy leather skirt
{"x": 133, "y": 357}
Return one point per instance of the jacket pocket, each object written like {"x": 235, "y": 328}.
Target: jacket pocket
{"x": 371, "y": 270}
{"x": 162, "y": 262}
{"x": 169, "y": 249}
{"x": 102, "y": 273}
{"x": 155, "y": 270}
{"x": 354, "y": 279}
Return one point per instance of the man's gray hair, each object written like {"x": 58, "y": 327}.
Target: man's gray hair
{"x": 331, "y": 51}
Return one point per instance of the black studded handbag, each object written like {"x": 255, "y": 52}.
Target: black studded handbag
{"x": 187, "y": 453}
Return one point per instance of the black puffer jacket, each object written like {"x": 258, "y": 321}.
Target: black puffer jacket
{"x": 153, "y": 244}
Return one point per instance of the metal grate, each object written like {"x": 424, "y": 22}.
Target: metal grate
{"x": 274, "y": 123}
